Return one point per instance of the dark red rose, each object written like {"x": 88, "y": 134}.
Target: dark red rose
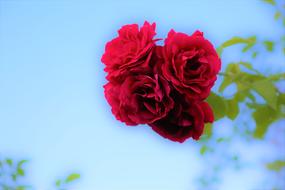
{"x": 162, "y": 86}
{"x": 140, "y": 99}
{"x": 131, "y": 51}
{"x": 190, "y": 63}
{"x": 184, "y": 121}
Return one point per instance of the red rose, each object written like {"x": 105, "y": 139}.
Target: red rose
{"x": 184, "y": 121}
{"x": 162, "y": 86}
{"x": 190, "y": 63}
{"x": 131, "y": 51}
{"x": 140, "y": 99}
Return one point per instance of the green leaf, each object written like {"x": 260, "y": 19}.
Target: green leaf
{"x": 249, "y": 45}
{"x": 281, "y": 105}
{"x": 235, "y": 158}
{"x": 264, "y": 116}
{"x": 14, "y": 177}
{"x": 219, "y": 50}
{"x": 58, "y": 183}
{"x": 233, "y": 41}
{"x": 267, "y": 90}
{"x": 20, "y": 165}
{"x": 9, "y": 161}
{"x": 72, "y": 177}
{"x": 247, "y": 65}
{"x": 203, "y": 149}
{"x": 233, "y": 68}
{"x": 226, "y": 82}
{"x": 276, "y": 77}
{"x": 5, "y": 187}
{"x": 272, "y": 2}
{"x": 242, "y": 94}
{"x": 242, "y": 89}
{"x": 230, "y": 75}
{"x": 251, "y": 96}
{"x": 269, "y": 45}
{"x": 281, "y": 99}
{"x": 238, "y": 40}
{"x": 277, "y": 15}
{"x": 254, "y": 54}
{"x": 232, "y": 108}
{"x": 218, "y": 105}
{"x": 22, "y": 162}
{"x": 276, "y": 165}
{"x": 20, "y": 172}
{"x": 222, "y": 139}
{"x": 21, "y": 187}
{"x": 208, "y": 130}
{"x": 248, "y": 78}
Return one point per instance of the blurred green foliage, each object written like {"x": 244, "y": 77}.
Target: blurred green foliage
{"x": 13, "y": 176}
{"x": 251, "y": 92}
{"x": 249, "y": 83}
{"x": 276, "y": 165}
{"x": 11, "y": 173}
{"x": 62, "y": 184}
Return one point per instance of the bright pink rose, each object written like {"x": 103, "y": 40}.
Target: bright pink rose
{"x": 190, "y": 63}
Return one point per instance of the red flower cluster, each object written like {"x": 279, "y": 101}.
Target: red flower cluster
{"x": 162, "y": 86}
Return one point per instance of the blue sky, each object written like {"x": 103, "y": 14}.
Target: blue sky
{"x": 52, "y": 107}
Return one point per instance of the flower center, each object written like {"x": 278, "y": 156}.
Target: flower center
{"x": 192, "y": 64}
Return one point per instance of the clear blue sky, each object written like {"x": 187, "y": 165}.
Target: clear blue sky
{"x": 52, "y": 107}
